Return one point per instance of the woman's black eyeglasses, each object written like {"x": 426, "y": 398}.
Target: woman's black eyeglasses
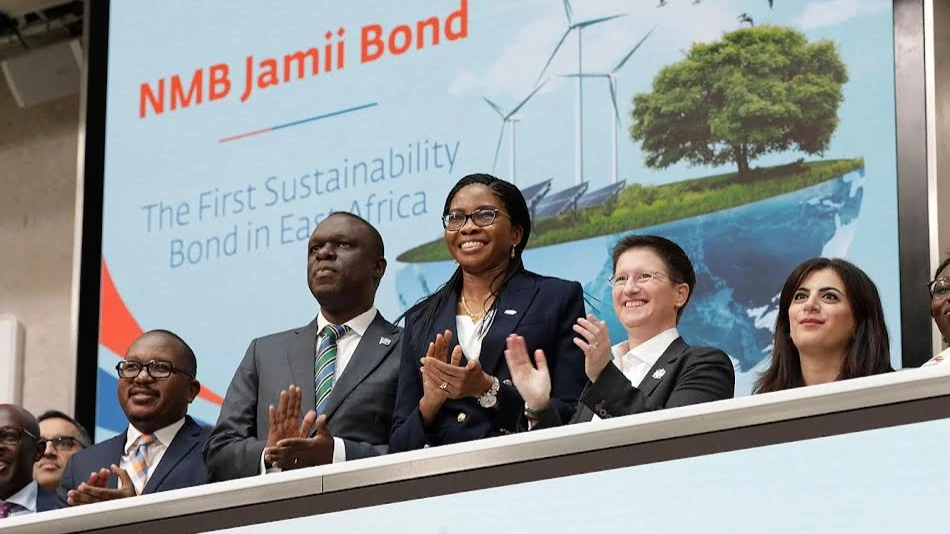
{"x": 482, "y": 217}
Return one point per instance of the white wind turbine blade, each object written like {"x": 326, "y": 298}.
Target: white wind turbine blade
{"x": 613, "y": 96}
{"x": 554, "y": 53}
{"x": 495, "y": 107}
{"x": 526, "y": 99}
{"x": 568, "y": 12}
{"x": 501, "y": 136}
{"x": 632, "y": 51}
{"x": 592, "y": 22}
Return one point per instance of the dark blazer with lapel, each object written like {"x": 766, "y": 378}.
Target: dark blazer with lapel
{"x": 359, "y": 410}
{"x": 683, "y": 375}
{"x": 181, "y": 466}
{"x": 541, "y": 309}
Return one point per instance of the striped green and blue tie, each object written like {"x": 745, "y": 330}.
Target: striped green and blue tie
{"x": 325, "y": 363}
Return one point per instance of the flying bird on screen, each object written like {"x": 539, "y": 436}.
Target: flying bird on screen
{"x": 662, "y": 3}
{"x": 743, "y": 18}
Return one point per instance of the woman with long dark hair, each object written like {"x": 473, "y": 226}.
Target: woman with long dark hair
{"x": 830, "y": 327}
{"x": 454, "y": 383}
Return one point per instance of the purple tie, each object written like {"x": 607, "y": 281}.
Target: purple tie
{"x": 5, "y": 509}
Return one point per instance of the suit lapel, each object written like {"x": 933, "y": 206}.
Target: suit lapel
{"x": 113, "y": 449}
{"x": 658, "y": 372}
{"x": 445, "y": 320}
{"x": 183, "y": 442}
{"x": 300, "y": 356}
{"x": 369, "y": 353}
{"x": 512, "y": 304}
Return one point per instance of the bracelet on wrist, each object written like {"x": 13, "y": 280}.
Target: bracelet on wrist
{"x": 535, "y": 414}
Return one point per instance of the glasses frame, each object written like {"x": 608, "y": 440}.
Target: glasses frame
{"x": 654, "y": 275}
{"x": 56, "y": 442}
{"x": 20, "y": 432}
{"x": 471, "y": 217}
{"x": 148, "y": 369}
{"x": 933, "y": 284}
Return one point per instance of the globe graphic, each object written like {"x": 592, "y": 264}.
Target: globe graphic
{"x": 741, "y": 256}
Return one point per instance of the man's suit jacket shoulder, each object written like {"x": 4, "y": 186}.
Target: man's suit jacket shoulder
{"x": 268, "y": 343}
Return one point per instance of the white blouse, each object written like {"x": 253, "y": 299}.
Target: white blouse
{"x": 469, "y": 336}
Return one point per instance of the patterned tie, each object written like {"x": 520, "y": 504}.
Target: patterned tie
{"x": 325, "y": 363}
{"x": 138, "y": 463}
{"x": 6, "y": 508}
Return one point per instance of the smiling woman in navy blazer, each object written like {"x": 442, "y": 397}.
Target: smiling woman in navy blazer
{"x": 454, "y": 383}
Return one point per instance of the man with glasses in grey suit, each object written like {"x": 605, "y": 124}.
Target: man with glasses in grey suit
{"x": 322, "y": 393}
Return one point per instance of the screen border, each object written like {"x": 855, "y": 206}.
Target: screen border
{"x": 912, "y": 180}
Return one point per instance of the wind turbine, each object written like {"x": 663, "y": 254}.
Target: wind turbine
{"x": 510, "y": 119}
{"x": 579, "y": 100}
{"x": 611, "y": 77}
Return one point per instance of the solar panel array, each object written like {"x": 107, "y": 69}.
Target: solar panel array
{"x": 600, "y": 196}
{"x": 534, "y": 193}
{"x": 560, "y": 202}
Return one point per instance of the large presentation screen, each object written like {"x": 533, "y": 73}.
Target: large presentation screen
{"x": 754, "y": 135}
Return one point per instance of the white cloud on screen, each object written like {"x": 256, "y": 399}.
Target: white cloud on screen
{"x": 513, "y": 73}
{"x": 824, "y": 13}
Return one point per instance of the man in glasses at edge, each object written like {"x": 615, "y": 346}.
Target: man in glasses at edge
{"x": 20, "y": 447}
{"x": 64, "y": 437}
{"x": 161, "y": 448}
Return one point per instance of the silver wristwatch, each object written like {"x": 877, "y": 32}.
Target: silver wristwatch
{"x": 490, "y": 398}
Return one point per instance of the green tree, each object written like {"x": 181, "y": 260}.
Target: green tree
{"x": 758, "y": 90}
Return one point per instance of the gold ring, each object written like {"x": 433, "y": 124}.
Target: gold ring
{"x": 593, "y": 346}
{"x": 443, "y": 385}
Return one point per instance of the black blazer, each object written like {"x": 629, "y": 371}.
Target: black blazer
{"x": 359, "y": 410}
{"x": 683, "y": 375}
{"x": 541, "y": 309}
{"x": 181, "y": 465}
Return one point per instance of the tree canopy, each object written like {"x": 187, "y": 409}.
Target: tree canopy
{"x": 756, "y": 91}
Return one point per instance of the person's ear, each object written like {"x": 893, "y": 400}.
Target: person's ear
{"x": 682, "y": 295}
{"x": 517, "y": 233}
{"x": 194, "y": 387}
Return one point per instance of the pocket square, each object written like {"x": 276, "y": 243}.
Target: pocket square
{"x": 511, "y": 312}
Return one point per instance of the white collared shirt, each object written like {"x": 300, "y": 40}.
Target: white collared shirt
{"x": 346, "y": 344}
{"x": 154, "y": 452}
{"x": 469, "y": 336}
{"x": 635, "y": 363}
{"x": 345, "y": 348}
{"x": 25, "y": 500}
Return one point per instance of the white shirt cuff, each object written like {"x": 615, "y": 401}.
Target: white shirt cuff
{"x": 339, "y": 451}
{"x": 264, "y": 470}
